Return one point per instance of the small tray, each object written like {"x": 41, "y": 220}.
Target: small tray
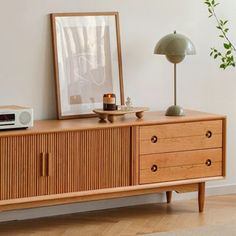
{"x": 110, "y": 115}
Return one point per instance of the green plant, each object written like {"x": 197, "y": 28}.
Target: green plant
{"x": 226, "y": 57}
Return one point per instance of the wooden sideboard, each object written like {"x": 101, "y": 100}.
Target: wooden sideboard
{"x": 68, "y": 161}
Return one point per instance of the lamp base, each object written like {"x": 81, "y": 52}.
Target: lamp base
{"x": 175, "y": 111}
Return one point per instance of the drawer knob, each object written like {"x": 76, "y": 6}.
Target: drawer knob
{"x": 208, "y": 162}
{"x": 154, "y": 139}
{"x": 208, "y": 134}
{"x": 154, "y": 168}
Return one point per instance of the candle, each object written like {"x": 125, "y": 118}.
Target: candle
{"x": 109, "y": 102}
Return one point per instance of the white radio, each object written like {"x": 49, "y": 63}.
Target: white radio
{"x": 15, "y": 117}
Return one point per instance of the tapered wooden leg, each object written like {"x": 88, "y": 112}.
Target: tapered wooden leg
{"x": 168, "y": 196}
{"x": 201, "y": 196}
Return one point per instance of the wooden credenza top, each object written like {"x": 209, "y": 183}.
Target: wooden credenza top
{"x": 50, "y": 126}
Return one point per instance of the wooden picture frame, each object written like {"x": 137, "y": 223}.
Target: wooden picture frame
{"x": 87, "y": 61}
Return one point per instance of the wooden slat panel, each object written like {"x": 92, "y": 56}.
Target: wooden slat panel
{"x": 191, "y": 165}
{"x": 57, "y": 148}
{"x": 42, "y": 147}
{"x": 19, "y": 167}
{"x": 32, "y": 173}
{"x": 3, "y": 169}
{"x": 102, "y": 159}
{"x": 79, "y": 161}
{"x": 8, "y": 163}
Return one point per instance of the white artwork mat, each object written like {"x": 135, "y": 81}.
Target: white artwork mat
{"x": 87, "y": 62}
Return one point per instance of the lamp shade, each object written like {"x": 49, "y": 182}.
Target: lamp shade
{"x": 175, "y": 47}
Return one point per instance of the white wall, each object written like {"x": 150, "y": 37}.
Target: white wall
{"x": 26, "y": 69}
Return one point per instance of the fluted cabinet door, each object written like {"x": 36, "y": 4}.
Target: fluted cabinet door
{"x": 89, "y": 160}
{"x": 12, "y": 166}
{"x": 20, "y": 166}
{"x": 102, "y": 159}
{"x": 63, "y": 162}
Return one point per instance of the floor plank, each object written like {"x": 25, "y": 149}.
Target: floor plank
{"x": 128, "y": 221}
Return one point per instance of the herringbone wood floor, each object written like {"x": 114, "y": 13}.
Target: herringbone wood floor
{"x": 137, "y": 220}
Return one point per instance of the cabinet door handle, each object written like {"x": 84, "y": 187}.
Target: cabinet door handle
{"x": 208, "y": 134}
{"x": 154, "y": 139}
{"x": 43, "y": 164}
{"x": 154, "y": 168}
{"x": 208, "y": 162}
{"x": 49, "y": 164}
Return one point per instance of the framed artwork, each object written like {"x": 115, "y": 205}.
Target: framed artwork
{"x": 87, "y": 61}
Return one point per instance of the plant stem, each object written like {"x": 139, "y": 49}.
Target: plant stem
{"x": 218, "y": 22}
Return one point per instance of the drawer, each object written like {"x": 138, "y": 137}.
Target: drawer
{"x": 180, "y": 137}
{"x": 165, "y": 167}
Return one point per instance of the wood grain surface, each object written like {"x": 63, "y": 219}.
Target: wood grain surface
{"x": 150, "y": 118}
{"x": 180, "y": 165}
{"x": 72, "y": 162}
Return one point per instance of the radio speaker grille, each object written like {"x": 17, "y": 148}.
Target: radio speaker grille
{"x": 25, "y": 118}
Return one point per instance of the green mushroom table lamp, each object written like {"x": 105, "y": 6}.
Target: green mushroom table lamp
{"x": 175, "y": 47}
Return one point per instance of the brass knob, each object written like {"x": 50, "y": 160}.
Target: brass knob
{"x": 154, "y": 139}
{"x": 208, "y": 134}
{"x": 154, "y": 168}
{"x": 208, "y": 162}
